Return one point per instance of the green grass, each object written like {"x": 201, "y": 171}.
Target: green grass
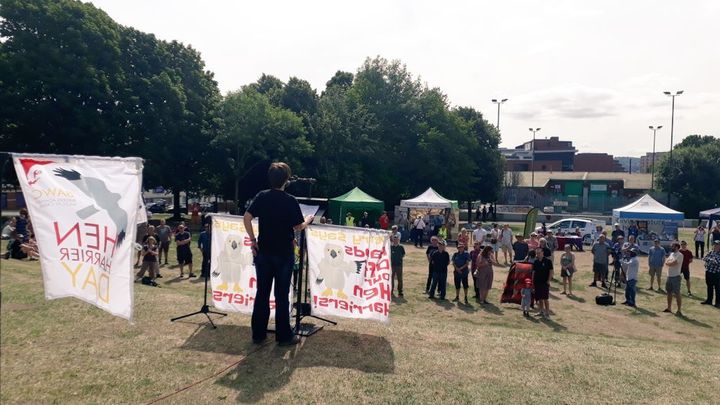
{"x": 66, "y": 351}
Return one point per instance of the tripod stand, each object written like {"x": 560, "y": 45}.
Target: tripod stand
{"x": 205, "y": 309}
{"x": 303, "y": 309}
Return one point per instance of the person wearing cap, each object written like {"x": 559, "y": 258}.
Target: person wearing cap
{"x": 439, "y": 261}
{"x": 656, "y": 260}
{"x": 526, "y": 293}
{"x": 672, "y": 283}
{"x": 712, "y": 275}
{"x": 617, "y": 232}
{"x": 461, "y": 265}
{"x": 631, "y": 266}
{"x": 685, "y": 269}
{"x": 395, "y": 232}
{"x": 397, "y": 253}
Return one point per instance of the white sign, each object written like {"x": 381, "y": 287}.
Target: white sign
{"x": 84, "y": 215}
{"x": 233, "y": 276}
{"x": 598, "y": 187}
{"x": 349, "y": 272}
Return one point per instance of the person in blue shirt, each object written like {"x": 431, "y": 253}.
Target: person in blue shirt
{"x": 633, "y": 230}
{"x": 656, "y": 260}
{"x": 461, "y": 264}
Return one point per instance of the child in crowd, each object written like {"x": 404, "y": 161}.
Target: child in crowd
{"x": 149, "y": 262}
{"x": 526, "y": 297}
{"x": 567, "y": 269}
{"x": 397, "y": 253}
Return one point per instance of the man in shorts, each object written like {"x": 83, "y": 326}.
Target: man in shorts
{"x": 184, "y": 254}
{"x": 163, "y": 232}
{"x": 461, "y": 264}
{"x": 656, "y": 260}
{"x": 685, "y": 269}
{"x": 600, "y": 250}
{"x": 542, "y": 274}
{"x": 672, "y": 285}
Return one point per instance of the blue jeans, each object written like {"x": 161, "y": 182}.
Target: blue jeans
{"x": 440, "y": 282}
{"x": 269, "y": 268}
{"x": 630, "y": 290}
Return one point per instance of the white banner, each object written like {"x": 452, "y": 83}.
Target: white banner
{"x": 84, "y": 214}
{"x": 349, "y": 272}
{"x": 233, "y": 277}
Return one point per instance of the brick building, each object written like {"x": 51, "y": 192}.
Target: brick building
{"x": 596, "y": 162}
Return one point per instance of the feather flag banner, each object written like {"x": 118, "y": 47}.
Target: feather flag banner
{"x": 83, "y": 214}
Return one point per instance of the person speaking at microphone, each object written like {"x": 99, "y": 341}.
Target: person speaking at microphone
{"x": 279, "y": 216}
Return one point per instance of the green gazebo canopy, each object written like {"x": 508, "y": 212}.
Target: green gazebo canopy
{"x": 355, "y": 201}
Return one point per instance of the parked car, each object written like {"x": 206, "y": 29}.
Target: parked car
{"x": 156, "y": 208}
{"x": 568, "y": 226}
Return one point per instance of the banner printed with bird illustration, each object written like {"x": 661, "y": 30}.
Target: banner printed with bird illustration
{"x": 83, "y": 212}
{"x": 349, "y": 272}
{"x": 232, "y": 272}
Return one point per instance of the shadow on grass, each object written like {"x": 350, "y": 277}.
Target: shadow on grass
{"x": 693, "y": 321}
{"x": 556, "y": 327}
{"x": 446, "y": 304}
{"x": 469, "y": 308}
{"x": 399, "y": 300}
{"x": 643, "y": 311}
{"x": 269, "y": 368}
{"x": 176, "y": 279}
{"x": 491, "y": 308}
{"x": 576, "y": 298}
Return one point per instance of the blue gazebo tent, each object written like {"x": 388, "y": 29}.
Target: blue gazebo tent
{"x": 654, "y": 221}
{"x": 712, "y": 215}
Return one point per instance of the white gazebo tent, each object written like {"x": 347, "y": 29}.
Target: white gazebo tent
{"x": 654, "y": 221}
{"x": 430, "y": 201}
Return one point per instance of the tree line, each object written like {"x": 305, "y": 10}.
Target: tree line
{"x": 73, "y": 81}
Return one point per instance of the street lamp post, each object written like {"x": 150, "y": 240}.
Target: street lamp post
{"x": 652, "y": 176}
{"x": 498, "y": 102}
{"x": 532, "y": 181}
{"x": 672, "y": 127}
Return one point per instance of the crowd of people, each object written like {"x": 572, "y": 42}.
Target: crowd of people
{"x": 540, "y": 250}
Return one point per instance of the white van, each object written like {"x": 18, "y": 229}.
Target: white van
{"x": 568, "y": 226}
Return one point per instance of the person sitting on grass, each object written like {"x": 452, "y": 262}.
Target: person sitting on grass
{"x": 397, "y": 253}
{"x": 439, "y": 261}
{"x": 461, "y": 264}
{"x": 630, "y": 265}
{"x": 567, "y": 269}
{"x": 542, "y": 273}
{"x": 672, "y": 284}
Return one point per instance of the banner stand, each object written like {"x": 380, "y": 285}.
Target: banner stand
{"x": 303, "y": 309}
{"x": 205, "y": 309}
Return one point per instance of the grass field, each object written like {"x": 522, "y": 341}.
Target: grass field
{"x": 66, "y": 351}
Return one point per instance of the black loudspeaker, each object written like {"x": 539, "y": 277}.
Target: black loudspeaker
{"x": 604, "y": 299}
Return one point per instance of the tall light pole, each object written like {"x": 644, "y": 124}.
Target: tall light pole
{"x": 498, "y": 102}
{"x": 652, "y": 176}
{"x": 672, "y": 127}
{"x": 532, "y": 182}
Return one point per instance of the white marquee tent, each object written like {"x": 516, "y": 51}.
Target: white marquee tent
{"x": 654, "y": 221}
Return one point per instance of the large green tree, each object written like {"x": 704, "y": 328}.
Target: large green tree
{"x": 253, "y": 129}
{"x": 693, "y": 173}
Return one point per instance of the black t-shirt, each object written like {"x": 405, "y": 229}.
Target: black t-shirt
{"x": 715, "y": 236}
{"x": 616, "y": 233}
{"x": 149, "y": 257}
{"x": 430, "y": 249}
{"x": 278, "y": 213}
{"x": 181, "y": 236}
{"x": 541, "y": 271}
{"x": 439, "y": 261}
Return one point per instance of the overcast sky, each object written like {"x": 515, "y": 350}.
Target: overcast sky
{"x": 590, "y": 72}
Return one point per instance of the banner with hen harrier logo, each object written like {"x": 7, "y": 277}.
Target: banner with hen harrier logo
{"x": 232, "y": 271}
{"x": 83, "y": 212}
{"x": 349, "y": 272}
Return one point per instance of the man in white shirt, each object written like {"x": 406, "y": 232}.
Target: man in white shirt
{"x": 672, "y": 285}
{"x": 418, "y": 228}
{"x": 479, "y": 234}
